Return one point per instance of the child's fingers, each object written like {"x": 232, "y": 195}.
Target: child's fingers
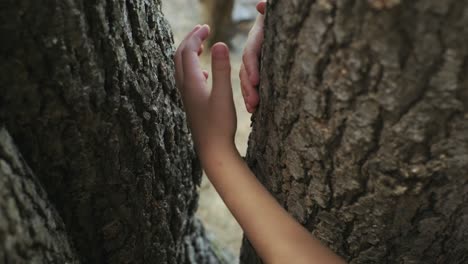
{"x": 221, "y": 69}
{"x": 250, "y": 61}
{"x": 181, "y": 47}
{"x": 190, "y": 61}
{"x": 249, "y": 92}
{"x": 261, "y": 6}
{"x": 252, "y": 101}
{"x": 178, "y": 58}
{"x": 251, "y": 55}
{"x": 200, "y": 51}
{"x": 244, "y": 81}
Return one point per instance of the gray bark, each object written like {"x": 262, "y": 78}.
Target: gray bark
{"x": 362, "y": 129}
{"x": 88, "y": 93}
{"x": 31, "y": 231}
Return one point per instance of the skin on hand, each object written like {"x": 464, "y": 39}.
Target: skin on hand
{"x": 249, "y": 72}
{"x": 210, "y": 112}
{"x": 275, "y": 235}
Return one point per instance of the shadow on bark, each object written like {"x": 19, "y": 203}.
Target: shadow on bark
{"x": 88, "y": 93}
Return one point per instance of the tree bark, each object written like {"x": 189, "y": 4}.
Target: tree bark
{"x": 31, "y": 231}
{"x": 362, "y": 129}
{"x": 88, "y": 93}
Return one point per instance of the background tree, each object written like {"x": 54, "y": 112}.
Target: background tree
{"x": 218, "y": 14}
{"x": 362, "y": 129}
{"x": 87, "y": 92}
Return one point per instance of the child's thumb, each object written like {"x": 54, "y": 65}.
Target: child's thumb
{"x": 221, "y": 70}
{"x": 261, "y": 7}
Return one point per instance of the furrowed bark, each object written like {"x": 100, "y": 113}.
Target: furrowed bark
{"x": 362, "y": 129}
{"x": 31, "y": 231}
{"x": 88, "y": 93}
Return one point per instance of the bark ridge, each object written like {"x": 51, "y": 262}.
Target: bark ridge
{"x": 31, "y": 231}
{"x": 362, "y": 131}
{"x": 88, "y": 93}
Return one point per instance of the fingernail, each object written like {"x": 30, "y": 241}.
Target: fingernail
{"x": 202, "y": 32}
{"x": 207, "y": 26}
{"x": 220, "y": 50}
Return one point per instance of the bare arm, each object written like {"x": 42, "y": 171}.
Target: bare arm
{"x": 275, "y": 235}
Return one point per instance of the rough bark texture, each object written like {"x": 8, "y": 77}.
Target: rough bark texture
{"x": 362, "y": 130}
{"x": 31, "y": 231}
{"x": 218, "y": 14}
{"x": 87, "y": 91}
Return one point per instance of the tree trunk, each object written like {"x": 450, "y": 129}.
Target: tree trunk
{"x": 362, "y": 130}
{"x": 31, "y": 231}
{"x": 88, "y": 93}
{"x": 218, "y": 14}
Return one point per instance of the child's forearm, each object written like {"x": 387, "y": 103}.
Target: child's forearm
{"x": 275, "y": 235}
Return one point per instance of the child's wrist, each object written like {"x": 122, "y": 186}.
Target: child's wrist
{"x": 220, "y": 162}
{"x": 216, "y": 152}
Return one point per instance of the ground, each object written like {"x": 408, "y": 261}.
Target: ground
{"x": 183, "y": 15}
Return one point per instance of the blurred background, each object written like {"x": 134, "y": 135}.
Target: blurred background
{"x": 230, "y": 22}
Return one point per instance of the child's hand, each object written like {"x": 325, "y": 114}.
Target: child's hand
{"x": 211, "y": 113}
{"x": 249, "y": 72}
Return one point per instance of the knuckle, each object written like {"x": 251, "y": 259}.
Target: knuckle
{"x": 185, "y": 51}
